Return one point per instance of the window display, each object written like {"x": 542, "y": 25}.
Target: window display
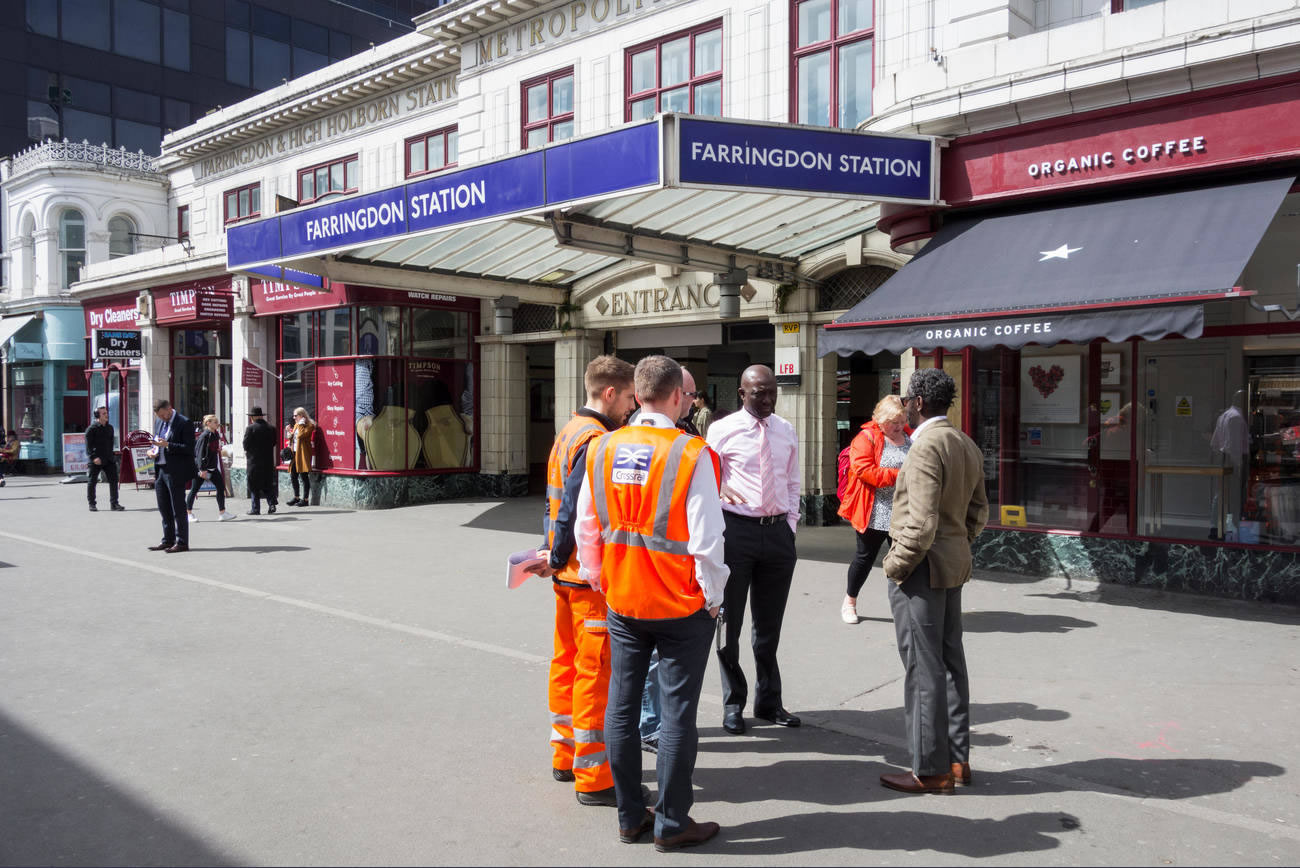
{"x": 27, "y": 402}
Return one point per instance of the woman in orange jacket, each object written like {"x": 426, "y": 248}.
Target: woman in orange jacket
{"x": 875, "y": 455}
{"x": 300, "y": 444}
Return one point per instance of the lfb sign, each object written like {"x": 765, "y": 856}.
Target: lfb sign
{"x": 110, "y": 344}
{"x": 787, "y": 366}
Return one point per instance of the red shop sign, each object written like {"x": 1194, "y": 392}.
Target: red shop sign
{"x": 1189, "y": 133}
{"x": 271, "y": 297}
{"x": 197, "y": 301}
{"x": 118, "y": 312}
{"x": 335, "y": 393}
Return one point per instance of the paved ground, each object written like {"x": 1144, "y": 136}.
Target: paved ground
{"x": 334, "y": 687}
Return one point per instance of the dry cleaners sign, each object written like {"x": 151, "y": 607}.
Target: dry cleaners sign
{"x": 117, "y": 344}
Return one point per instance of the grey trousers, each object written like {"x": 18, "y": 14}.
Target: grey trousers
{"x": 936, "y": 690}
{"x": 683, "y": 645}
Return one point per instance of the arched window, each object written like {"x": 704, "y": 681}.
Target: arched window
{"x": 121, "y": 241}
{"x": 72, "y": 247}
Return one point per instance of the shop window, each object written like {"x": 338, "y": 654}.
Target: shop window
{"x": 72, "y": 246}
{"x": 297, "y": 389}
{"x": 442, "y": 334}
{"x": 328, "y": 179}
{"x": 678, "y": 73}
{"x": 336, "y": 332}
{"x": 242, "y": 203}
{"x": 432, "y": 152}
{"x": 843, "y": 290}
{"x": 183, "y": 223}
{"x": 1266, "y": 426}
{"x": 548, "y": 108}
{"x": 121, "y": 237}
{"x": 379, "y": 331}
{"x": 298, "y": 335}
{"x": 27, "y": 401}
{"x": 831, "y": 64}
{"x": 860, "y": 382}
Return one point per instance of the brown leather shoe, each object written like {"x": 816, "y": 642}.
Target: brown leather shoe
{"x": 961, "y": 774}
{"x": 906, "y": 782}
{"x": 161, "y": 547}
{"x": 631, "y": 836}
{"x": 696, "y": 833}
{"x": 179, "y": 547}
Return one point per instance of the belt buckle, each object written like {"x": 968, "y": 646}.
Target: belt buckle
{"x": 768, "y": 519}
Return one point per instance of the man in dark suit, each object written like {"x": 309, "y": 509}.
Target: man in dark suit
{"x": 173, "y": 439}
{"x": 260, "y": 446}
{"x": 939, "y": 508}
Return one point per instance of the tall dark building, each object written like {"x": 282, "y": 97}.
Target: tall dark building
{"x": 124, "y": 72}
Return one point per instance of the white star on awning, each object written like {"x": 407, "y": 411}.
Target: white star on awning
{"x": 1062, "y": 252}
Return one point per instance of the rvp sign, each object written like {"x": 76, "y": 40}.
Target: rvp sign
{"x": 112, "y": 344}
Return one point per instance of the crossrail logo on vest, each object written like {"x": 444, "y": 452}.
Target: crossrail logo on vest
{"x": 632, "y": 464}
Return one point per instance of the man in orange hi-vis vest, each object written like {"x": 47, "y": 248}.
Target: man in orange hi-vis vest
{"x": 649, "y": 530}
{"x": 580, "y": 667}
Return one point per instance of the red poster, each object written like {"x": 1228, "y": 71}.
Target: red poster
{"x": 335, "y": 390}
{"x": 250, "y": 375}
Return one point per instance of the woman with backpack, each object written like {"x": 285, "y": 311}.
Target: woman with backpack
{"x": 875, "y": 455}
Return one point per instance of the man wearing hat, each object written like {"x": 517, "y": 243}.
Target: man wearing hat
{"x": 260, "y": 442}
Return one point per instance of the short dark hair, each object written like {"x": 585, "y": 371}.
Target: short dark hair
{"x": 161, "y": 404}
{"x": 934, "y": 387}
{"x": 656, "y": 378}
{"x": 605, "y": 371}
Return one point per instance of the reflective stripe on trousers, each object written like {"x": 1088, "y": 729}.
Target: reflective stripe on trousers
{"x": 579, "y": 686}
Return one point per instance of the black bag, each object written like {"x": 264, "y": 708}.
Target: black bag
{"x": 286, "y": 454}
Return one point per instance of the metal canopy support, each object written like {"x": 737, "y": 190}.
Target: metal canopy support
{"x": 579, "y": 231}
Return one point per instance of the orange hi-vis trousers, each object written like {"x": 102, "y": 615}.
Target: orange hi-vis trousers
{"x": 580, "y": 687}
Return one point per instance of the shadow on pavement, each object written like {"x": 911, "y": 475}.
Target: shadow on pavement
{"x": 1019, "y": 622}
{"x": 1169, "y": 601}
{"x": 1141, "y": 778}
{"x": 58, "y": 812}
{"x": 907, "y": 831}
{"x": 514, "y": 515}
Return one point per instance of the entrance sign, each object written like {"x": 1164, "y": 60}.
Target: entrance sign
{"x": 671, "y": 151}
{"x": 110, "y": 344}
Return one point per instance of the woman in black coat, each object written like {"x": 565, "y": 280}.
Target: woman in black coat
{"x": 261, "y": 443}
{"x": 207, "y": 462}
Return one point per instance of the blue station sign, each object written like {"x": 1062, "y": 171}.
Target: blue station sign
{"x": 782, "y": 158}
{"x": 670, "y": 151}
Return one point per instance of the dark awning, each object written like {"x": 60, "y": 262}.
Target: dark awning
{"x": 1105, "y": 269}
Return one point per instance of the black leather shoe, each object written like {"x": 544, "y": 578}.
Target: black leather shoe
{"x": 734, "y": 722}
{"x": 271, "y": 511}
{"x": 696, "y": 833}
{"x": 94, "y": 508}
{"x": 161, "y": 547}
{"x": 779, "y": 716}
{"x": 256, "y": 511}
{"x": 294, "y": 502}
{"x": 564, "y": 776}
{"x": 606, "y": 799}
{"x": 631, "y": 836}
{"x": 117, "y": 507}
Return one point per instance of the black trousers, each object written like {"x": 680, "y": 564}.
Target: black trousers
{"x": 305, "y": 476}
{"x": 169, "y": 490}
{"x": 869, "y": 543}
{"x": 761, "y": 558}
{"x": 683, "y": 646}
{"x": 936, "y": 689}
{"x": 217, "y": 480}
{"x": 109, "y": 469}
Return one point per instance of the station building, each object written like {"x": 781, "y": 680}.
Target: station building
{"x": 424, "y": 244}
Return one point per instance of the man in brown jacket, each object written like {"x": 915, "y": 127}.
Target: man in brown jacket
{"x": 939, "y": 508}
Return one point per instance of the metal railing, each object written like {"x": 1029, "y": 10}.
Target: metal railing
{"x": 82, "y": 152}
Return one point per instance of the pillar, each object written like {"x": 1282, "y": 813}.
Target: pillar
{"x": 504, "y": 415}
{"x": 573, "y": 353}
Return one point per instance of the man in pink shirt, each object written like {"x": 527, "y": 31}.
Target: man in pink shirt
{"x": 760, "y": 505}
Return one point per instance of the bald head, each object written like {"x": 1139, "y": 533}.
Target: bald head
{"x": 688, "y": 386}
{"x": 758, "y": 390}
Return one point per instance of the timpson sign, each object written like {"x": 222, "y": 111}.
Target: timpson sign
{"x": 561, "y": 24}
{"x": 375, "y": 114}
